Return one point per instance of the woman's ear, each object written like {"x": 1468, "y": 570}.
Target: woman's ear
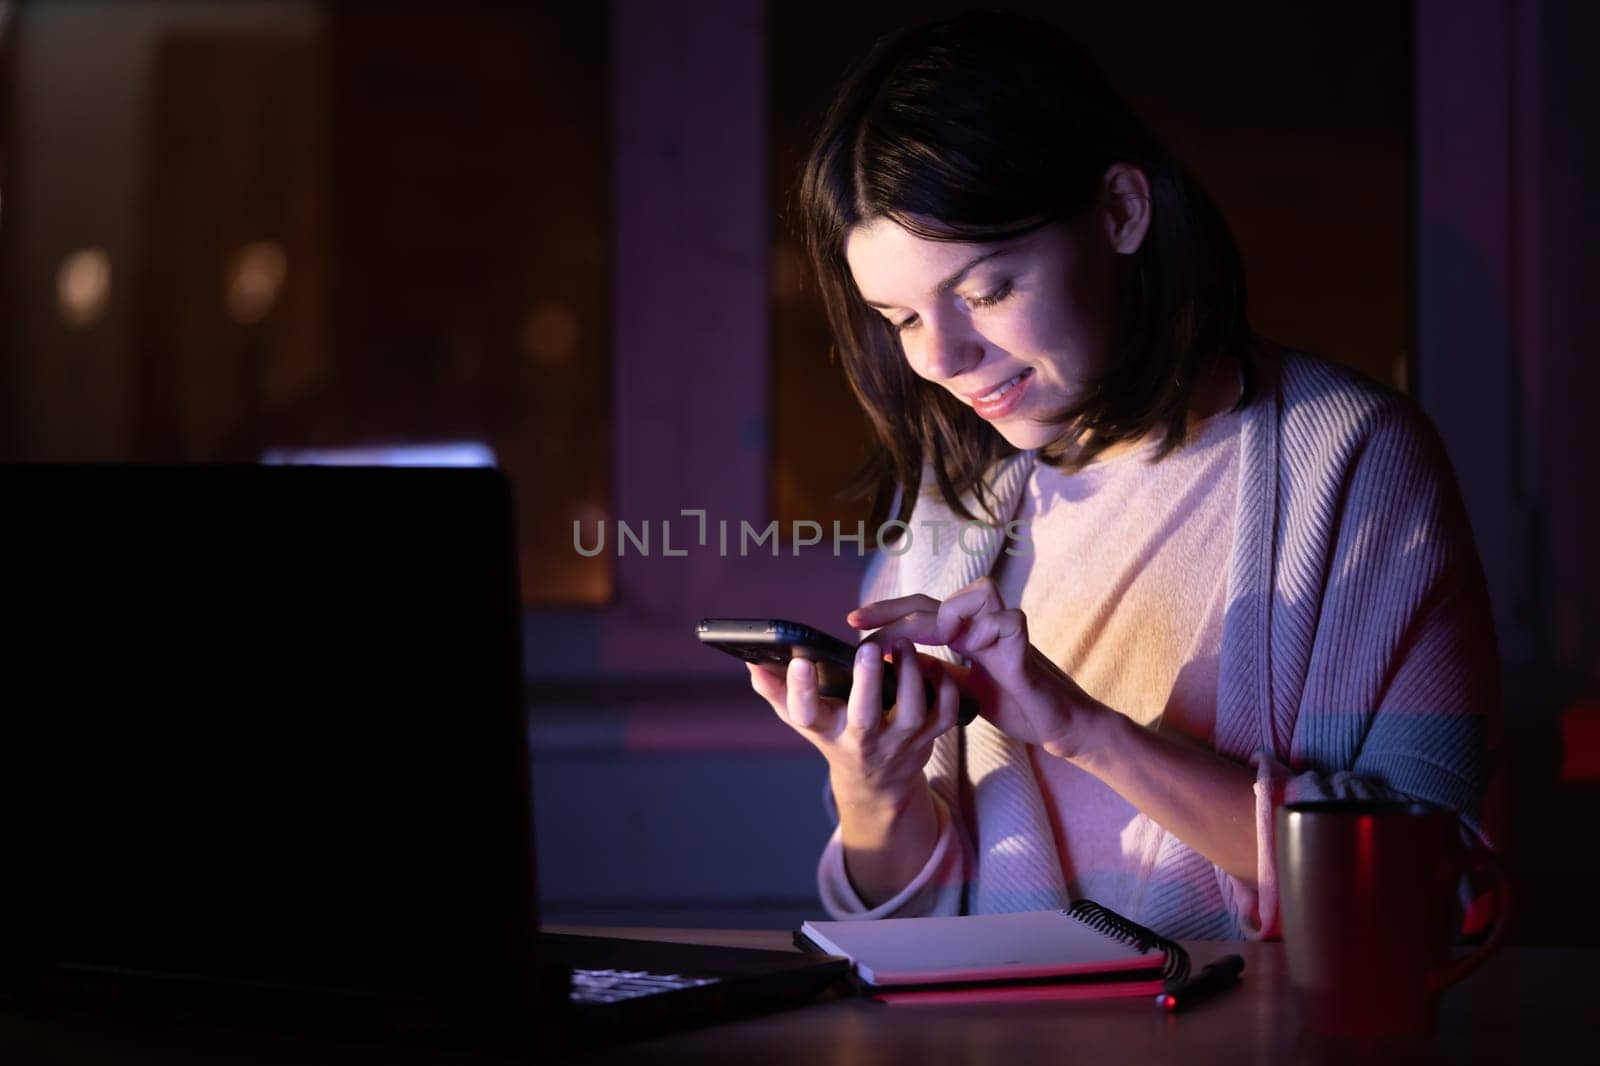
{"x": 1125, "y": 193}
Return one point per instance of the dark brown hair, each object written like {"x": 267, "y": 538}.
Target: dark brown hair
{"x": 994, "y": 125}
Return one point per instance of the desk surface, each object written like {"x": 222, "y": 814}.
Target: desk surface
{"x": 1527, "y": 1004}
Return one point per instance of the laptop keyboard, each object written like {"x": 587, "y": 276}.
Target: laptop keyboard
{"x": 610, "y": 986}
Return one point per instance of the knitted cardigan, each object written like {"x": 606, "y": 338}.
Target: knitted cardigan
{"x": 1357, "y": 659}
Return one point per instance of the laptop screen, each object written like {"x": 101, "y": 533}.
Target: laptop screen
{"x": 265, "y": 725}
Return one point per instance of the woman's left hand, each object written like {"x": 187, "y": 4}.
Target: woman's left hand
{"x": 1020, "y": 691}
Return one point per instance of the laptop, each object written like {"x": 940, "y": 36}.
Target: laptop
{"x": 265, "y": 755}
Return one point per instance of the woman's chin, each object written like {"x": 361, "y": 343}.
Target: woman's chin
{"x": 1024, "y": 434}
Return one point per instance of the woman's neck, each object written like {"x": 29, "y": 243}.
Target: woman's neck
{"x": 1213, "y": 394}
{"x": 1217, "y": 392}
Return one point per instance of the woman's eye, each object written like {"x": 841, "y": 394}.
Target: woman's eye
{"x": 989, "y": 299}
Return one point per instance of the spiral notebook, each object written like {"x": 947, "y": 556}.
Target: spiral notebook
{"x": 1084, "y": 952}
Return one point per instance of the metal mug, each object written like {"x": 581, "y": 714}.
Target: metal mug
{"x": 1368, "y": 895}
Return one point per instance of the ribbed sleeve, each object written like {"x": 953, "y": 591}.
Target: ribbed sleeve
{"x": 934, "y": 892}
{"x": 1383, "y": 662}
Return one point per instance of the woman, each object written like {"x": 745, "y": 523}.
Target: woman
{"x": 1246, "y": 577}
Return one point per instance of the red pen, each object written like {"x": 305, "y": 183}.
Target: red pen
{"x": 1203, "y": 985}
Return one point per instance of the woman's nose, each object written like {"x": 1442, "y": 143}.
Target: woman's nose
{"x": 948, "y": 349}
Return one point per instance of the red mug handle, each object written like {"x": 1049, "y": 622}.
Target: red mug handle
{"x": 1479, "y": 858}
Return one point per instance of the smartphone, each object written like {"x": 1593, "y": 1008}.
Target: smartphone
{"x": 775, "y": 640}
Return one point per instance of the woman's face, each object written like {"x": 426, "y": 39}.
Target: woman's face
{"x": 1014, "y": 329}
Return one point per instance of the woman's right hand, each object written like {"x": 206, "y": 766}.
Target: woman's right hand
{"x": 873, "y": 757}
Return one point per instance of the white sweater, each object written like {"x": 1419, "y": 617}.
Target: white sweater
{"x": 1124, "y": 589}
{"x": 1356, "y": 658}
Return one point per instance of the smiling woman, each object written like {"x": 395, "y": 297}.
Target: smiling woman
{"x": 1017, "y": 332}
{"x": 1019, "y": 299}
{"x": 1249, "y": 579}
{"x": 1037, "y": 219}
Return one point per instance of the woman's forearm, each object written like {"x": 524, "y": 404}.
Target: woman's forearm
{"x": 887, "y": 839}
{"x": 1202, "y": 798}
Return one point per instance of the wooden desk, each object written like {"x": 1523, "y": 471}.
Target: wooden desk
{"x": 1527, "y": 1005}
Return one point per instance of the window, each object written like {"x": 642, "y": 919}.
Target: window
{"x": 241, "y": 228}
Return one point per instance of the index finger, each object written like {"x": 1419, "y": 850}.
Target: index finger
{"x": 880, "y": 611}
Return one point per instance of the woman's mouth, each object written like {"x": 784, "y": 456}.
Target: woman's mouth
{"x": 1005, "y": 398}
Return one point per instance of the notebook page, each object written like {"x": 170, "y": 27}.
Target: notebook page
{"x": 1031, "y": 944}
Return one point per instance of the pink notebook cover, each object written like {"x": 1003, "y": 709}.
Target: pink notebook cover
{"x": 1020, "y": 993}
